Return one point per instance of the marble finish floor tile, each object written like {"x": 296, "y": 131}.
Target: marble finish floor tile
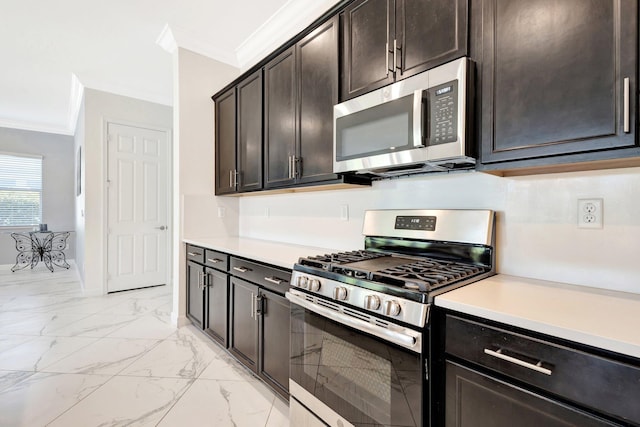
{"x": 43, "y": 397}
{"x": 222, "y": 404}
{"x": 10, "y": 378}
{"x": 126, "y": 401}
{"x": 144, "y": 327}
{"x": 40, "y": 352}
{"x": 71, "y": 360}
{"x": 107, "y": 356}
{"x": 188, "y": 359}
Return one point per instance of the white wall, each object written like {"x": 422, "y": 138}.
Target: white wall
{"x": 99, "y": 109}
{"x": 537, "y": 234}
{"x": 80, "y": 199}
{"x": 196, "y": 79}
{"x": 58, "y": 182}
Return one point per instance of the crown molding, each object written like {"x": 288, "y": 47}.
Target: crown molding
{"x": 166, "y": 40}
{"x": 172, "y": 37}
{"x": 75, "y": 103}
{"x": 293, "y": 17}
{"x": 36, "y": 127}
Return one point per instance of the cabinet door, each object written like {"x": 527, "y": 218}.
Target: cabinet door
{"x": 553, "y": 77}
{"x": 368, "y": 28}
{"x": 195, "y": 293}
{"x": 243, "y": 323}
{"x": 280, "y": 120}
{"x": 225, "y": 142}
{"x": 274, "y": 340}
{"x": 217, "y": 313}
{"x": 317, "y": 56}
{"x": 429, "y": 33}
{"x": 250, "y": 133}
{"x": 474, "y": 399}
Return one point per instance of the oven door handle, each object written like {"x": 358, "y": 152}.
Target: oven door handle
{"x": 403, "y": 337}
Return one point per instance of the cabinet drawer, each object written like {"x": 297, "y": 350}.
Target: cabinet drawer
{"x": 275, "y": 279}
{"x": 217, "y": 260}
{"x": 606, "y": 385}
{"x": 195, "y": 253}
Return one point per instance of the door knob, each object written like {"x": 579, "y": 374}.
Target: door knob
{"x": 162, "y": 227}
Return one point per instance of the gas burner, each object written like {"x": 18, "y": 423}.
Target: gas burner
{"x": 426, "y": 274}
{"x": 330, "y": 261}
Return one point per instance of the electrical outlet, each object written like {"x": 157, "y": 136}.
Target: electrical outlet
{"x": 221, "y": 211}
{"x": 590, "y": 213}
{"x": 344, "y": 212}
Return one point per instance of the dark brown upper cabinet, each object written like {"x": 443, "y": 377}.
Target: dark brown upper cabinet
{"x": 389, "y": 40}
{"x": 238, "y": 133}
{"x": 558, "y": 81}
{"x": 225, "y": 142}
{"x": 301, "y": 88}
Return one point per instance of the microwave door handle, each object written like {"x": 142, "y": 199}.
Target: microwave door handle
{"x": 420, "y": 118}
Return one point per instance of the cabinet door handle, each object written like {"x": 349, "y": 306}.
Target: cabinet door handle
{"x": 274, "y": 280}
{"x": 194, "y": 254}
{"x": 214, "y": 260}
{"x": 252, "y": 312}
{"x": 231, "y": 178}
{"x": 395, "y": 55}
{"x": 386, "y": 55}
{"x": 626, "y": 105}
{"x": 535, "y": 367}
{"x": 241, "y": 269}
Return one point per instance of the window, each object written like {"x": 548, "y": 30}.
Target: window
{"x": 20, "y": 190}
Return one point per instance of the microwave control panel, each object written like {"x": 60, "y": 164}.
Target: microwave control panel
{"x": 443, "y": 113}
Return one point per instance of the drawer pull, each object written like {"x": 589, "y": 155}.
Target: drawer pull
{"x": 241, "y": 269}
{"x": 537, "y": 367}
{"x": 214, "y": 260}
{"x": 274, "y": 280}
{"x": 194, "y": 254}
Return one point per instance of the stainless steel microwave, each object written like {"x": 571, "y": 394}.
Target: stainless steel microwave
{"x": 419, "y": 124}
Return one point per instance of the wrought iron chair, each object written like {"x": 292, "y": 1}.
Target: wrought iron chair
{"x": 31, "y": 249}
{"x": 53, "y": 254}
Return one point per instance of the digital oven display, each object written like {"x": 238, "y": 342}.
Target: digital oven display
{"x": 425, "y": 223}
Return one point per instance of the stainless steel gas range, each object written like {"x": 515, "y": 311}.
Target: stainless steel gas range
{"x": 360, "y": 320}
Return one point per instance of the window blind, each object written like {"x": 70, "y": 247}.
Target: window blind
{"x": 20, "y": 190}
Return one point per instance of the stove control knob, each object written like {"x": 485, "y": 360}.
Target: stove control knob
{"x": 302, "y": 282}
{"x": 340, "y": 293}
{"x": 391, "y": 308}
{"x": 371, "y": 302}
{"x": 314, "y": 285}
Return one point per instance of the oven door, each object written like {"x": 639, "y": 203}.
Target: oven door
{"x": 347, "y": 372}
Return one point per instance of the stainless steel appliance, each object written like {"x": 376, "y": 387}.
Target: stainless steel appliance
{"x": 419, "y": 124}
{"x": 360, "y": 320}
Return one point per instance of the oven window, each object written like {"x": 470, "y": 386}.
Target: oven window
{"x": 385, "y": 128}
{"x": 367, "y": 381}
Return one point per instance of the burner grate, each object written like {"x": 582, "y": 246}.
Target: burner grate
{"x": 426, "y": 274}
{"x": 328, "y": 261}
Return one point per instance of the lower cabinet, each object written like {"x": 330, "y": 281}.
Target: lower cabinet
{"x": 217, "y": 299}
{"x": 195, "y": 293}
{"x": 478, "y": 400}
{"x": 243, "y": 322}
{"x": 274, "y": 340}
{"x": 498, "y": 375}
{"x": 240, "y": 304}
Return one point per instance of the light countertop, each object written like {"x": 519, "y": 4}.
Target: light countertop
{"x": 274, "y": 253}
{"x": 595, "y": 317}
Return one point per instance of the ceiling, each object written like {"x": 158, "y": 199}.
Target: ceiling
{"x": 51, "y": 49}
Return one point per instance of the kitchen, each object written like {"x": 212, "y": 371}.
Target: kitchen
{"x": 537, "y": 222}
{"x": 537, "y": 233}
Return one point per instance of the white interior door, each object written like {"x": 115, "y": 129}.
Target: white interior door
{"x": 138, "y": 187}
